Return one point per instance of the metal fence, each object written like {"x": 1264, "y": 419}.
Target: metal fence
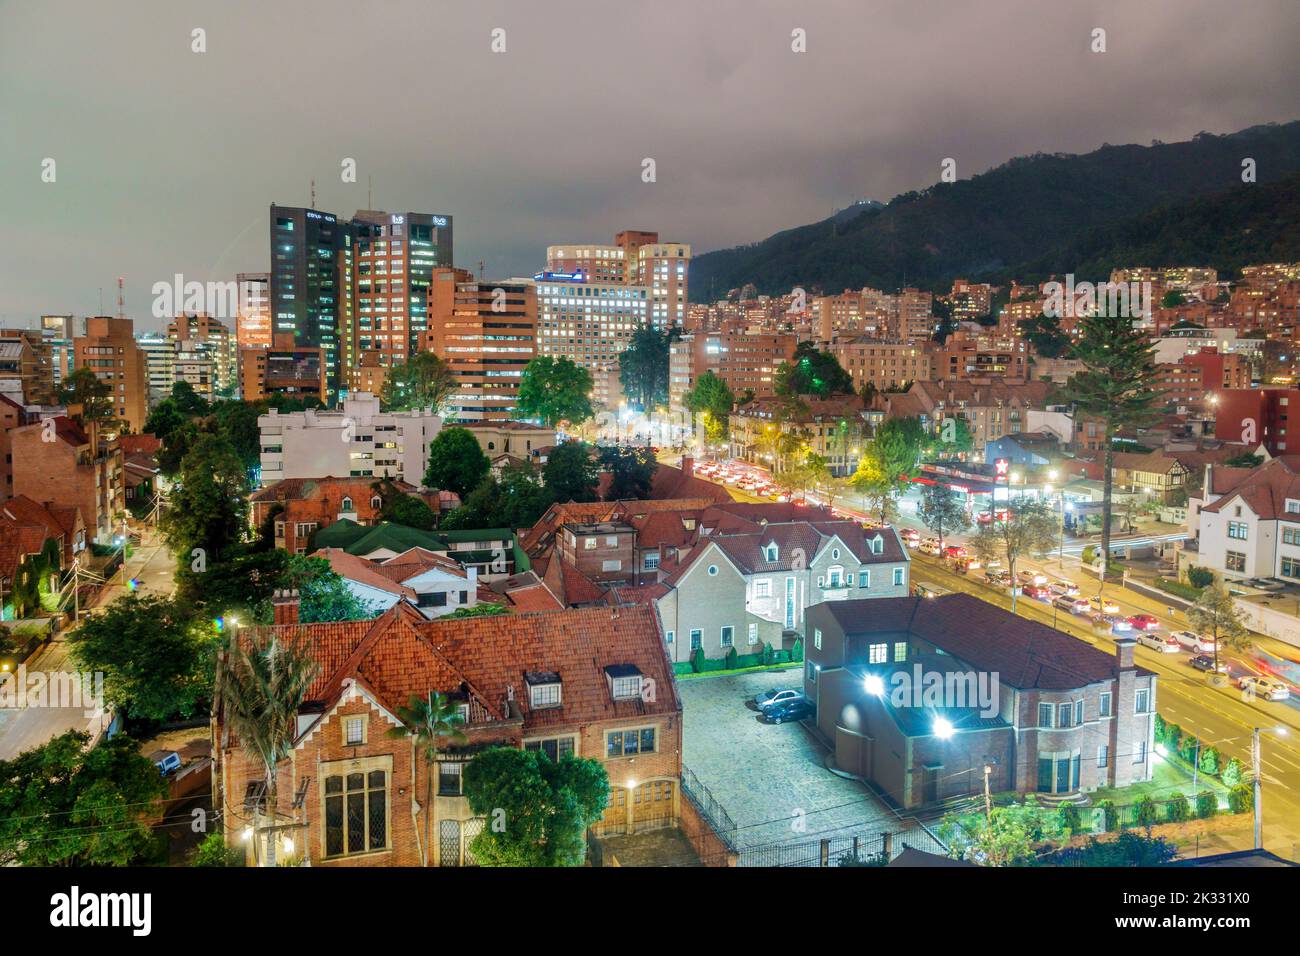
{"x": 714, "y": 813}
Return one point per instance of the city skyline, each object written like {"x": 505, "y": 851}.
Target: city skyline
{"x": 783, "y": 139}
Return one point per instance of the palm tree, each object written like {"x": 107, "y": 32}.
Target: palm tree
{"x": 429, "y": 721}
{"x": 260, "y": 687}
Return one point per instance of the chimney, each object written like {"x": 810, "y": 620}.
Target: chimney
{"x": 285, "y": 607}
{"x": 688, "y": 465}
{"x": 1124, "y": 652}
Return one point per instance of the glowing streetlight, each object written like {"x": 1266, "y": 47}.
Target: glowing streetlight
{"x": 874, "y": 685}
{"x": 943, "y": 728}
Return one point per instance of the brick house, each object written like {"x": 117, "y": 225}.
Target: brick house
{"x": 62, "y": 524}
{"x": 594, "y": 683}
{"x": 306, "y": 505}
{"x": 1059, "y": 717}
{"x": 60, "y": 461}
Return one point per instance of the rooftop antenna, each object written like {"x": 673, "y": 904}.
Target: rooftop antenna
{"x": 121, "y": 300}
{"x": 101, "y": 300}
{"x": 480, "y": 270}
{"x": 313, "y": 194}
{"x": 370, "y": 182}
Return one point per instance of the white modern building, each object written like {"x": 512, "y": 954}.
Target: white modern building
{"x": 357, "y": 441}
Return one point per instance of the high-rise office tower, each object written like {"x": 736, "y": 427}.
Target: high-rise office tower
{"x": 308, "y": 249}
{"x": 60, "y": 331}
{"x": 486, "y": 332}
{"x": 201, "y": 341}
{"x": 394, "y": 255}
{"x": 159, "y": 359}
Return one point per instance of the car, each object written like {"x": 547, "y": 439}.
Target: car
{"x": 1067, "y": 588}
{"x": 1072, "y": 604}
{"x": 1038, "y": 591}
{"x": 1204, "y": 662}
{"x": 1032, "y": 577}
{"x": 1104, "y": 605}
{"x": 1157, "y": 642}
{"x": 1194, "y": 642}
{"x": 997, "y": 578}
{"x": 796, "y": 709}
{"x": 1265, "y": 688}
{"x": 911, "y": 537}
{"x": 1143, "y": 622}
{"x": 954, "y": 551}
{"x": 1116, "y": 622}
{"x": 776, "y": 695}
{"x": 930, "y": 546}
{"x": 963, "y": 565}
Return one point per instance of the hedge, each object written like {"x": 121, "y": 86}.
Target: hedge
{"x": 1178, "y": 588}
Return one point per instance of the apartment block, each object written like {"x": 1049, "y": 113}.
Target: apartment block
{"x": 71, "y": 466}
{"x": 746, "y": 360}
{"x": 253, "y": 321}
{"x": 486, "y": 333}
{"x": 109, "y": 350}
{"x": 884, "y": 363}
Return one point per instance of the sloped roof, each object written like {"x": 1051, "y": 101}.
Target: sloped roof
{"x": 1264, "y": 489}
{"x": 1023, "y": 653}
{"x": 362, "y": 571}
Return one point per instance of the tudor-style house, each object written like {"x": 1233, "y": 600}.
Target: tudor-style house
{"x": 750, "y": 588}
{"x": 1045, "y": 712}
{"x": 1249, "y": 520}
{"x": 592, "y": 682}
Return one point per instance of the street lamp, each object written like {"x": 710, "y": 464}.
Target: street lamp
{"x": 943, "y": 728}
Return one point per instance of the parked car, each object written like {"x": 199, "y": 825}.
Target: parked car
{"x": 796, "y": 709}
{"x": 1265, "y": 688}
{"x": 1158, "y": 642}
{"x": 1068, "y": 588}
{"x": 1072, "y": 604}
{"x": 1104, "y": 605}
{"x": 1204, "y": 662}
{"x": 1194, "y": 642}
{"x": 1143, "y": 622}
{"x": 776, "y": 695}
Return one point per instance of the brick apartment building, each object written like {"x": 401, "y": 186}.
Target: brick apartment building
{"x": 1201, "y": 374}
{"x": 591, "y": 683}
{"x": 746, "y": 359}
{"x": 110, "y": 351}
{"x": 1056, "y": 716}
{"x": 486, "y": 333}
{"x": 61, "y": 462}
{"x": 884, "y": 363}
{"x": 302, "y": 506}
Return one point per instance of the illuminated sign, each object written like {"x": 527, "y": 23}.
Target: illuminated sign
{"x": 398, "y": 220}
{"x": 440, "y": 220}
{"x": 1001, "y": 465}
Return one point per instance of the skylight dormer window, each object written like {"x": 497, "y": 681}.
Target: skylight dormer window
{"x": 544, "y": 689}
{"x": 624, "y": 681}
{"x": 878, "y": 545}
{"x": 771, "y": 552}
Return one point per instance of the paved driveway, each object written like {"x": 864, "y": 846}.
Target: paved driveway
{"x": 771, "y": 779}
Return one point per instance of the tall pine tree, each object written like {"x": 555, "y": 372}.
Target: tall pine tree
{"x": 1114, "y": 388}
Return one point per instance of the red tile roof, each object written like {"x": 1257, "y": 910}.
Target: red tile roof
{"x": 1264, "y": 489}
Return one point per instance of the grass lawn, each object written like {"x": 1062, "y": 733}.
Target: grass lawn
{"x": 1169, "y": 775}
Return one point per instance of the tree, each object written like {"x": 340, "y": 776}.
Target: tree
{"x": 237, "y": 421}
{"x": 64, "y": 804}
{"x": 208, "y": 505}
{"x": 95, "y": 397}
{"x": 571, "y": 473}
{"x": 241, "y": 584}
{"x": 1115, "y": 388}
{"x": 516, "y": 499}
{"x": 943, "y": 511}
{"x": 153, "y": 653}
{"x": 643, "y": 367}
{"x": 323, "y": 595}
{"x": 888, "y": 463}
{"x": 423, "y": 381}
{"x": 165, "y": 419}
{"x": 631, "y": 472}
{"x": 1215, "y": 615}
{"x": 429, "y": 721}
{"x": 456, "y": 462}
{"x": 711, "y": 400}
{"x": 538, "y": 810}
{"x": 261, "y": 683}
{"x": 953, "y": 437}
{"x": 1005, "y": 837}
{"x": 812, "y": 372}
{"x": 1030, "y": 527}
{"x": 555, "y": 390}
{"x": 401, "y": 508}
{"x": 1045, "y": 335}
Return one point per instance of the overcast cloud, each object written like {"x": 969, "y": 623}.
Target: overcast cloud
{"x": 167, "y": 159}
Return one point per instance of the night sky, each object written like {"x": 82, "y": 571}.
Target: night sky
{"x": 167, "y": 159}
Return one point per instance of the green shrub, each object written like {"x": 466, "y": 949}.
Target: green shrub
{"x": 1210, "y": 761}
{"x": 1200, "y": 577}
{"x": 1241, "y": 798}
{"x": 697, "y": 660}
{"x": 1089, "y": 554}
{"x": 214, "y": 852}
{"x": 1179, "y": 809}
{"x": 1231, "y": 775}
{"x": 1207, "y": 804}
{"x": 768, "y": 653}
{"x": 1178, "y": 588}
{"x": 1188, "y": 747}
{"x": 1161, "y": 727}
{"x": 1071, "y": 819}
{"x": 731, "y": 659}
{"x": 1148, "y": 812}
{"x": 1110, "y": 814}
{"x": 796, "y": 652}
{"x": 1173, "y": 737}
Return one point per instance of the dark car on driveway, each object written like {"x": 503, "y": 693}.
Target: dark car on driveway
{"x": 795, "y": 708}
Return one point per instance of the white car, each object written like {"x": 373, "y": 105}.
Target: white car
{"x": 1037, "y": 578}
{"x": 1105, "y": 606}
{"x": 1194, "y": 642}
{"x": 1158, "y": 642}
{"x": 930, "y": 546}
{"x": 1066, "y": 588}
{"x": 1265, "y": 688}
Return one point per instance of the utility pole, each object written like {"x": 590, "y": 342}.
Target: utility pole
{"x": 1259, "y": 797}
{"x": 988, "y": 797}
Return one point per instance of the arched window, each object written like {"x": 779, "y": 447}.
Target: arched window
{"x": 877, "y": 545}
{"x": 771, "y": 552}
{"x": 376, "y": 502}
{"x": 347, "y": 504}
